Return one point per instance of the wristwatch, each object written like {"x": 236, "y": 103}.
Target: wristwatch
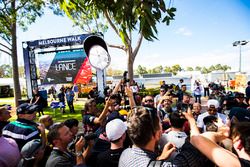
{"x": 78, "y": 153}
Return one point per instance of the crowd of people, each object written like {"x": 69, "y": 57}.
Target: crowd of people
{"x": 168, "y": 129}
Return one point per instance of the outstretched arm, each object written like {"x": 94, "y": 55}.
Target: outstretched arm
{"x": 102, "y": 116}
{"x": 129, "y": 93}
{"x": 109, "y": 102}
{"x": 206, "y": 143}
{"x": 217, "y": 154}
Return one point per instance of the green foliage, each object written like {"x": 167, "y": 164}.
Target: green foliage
{"x": 157, "y": 69}
{"x": 13, "y": 14}
{"x": 167, "y": 69}
{"x": 176, "y": 68}
{"x": 22, "y": 13}
{"x": 198, "y": 68}
{"x": 83, "y": 95}
{"x": 126, "y": 15}
{"x": 100, "y": 107}
{"x": 150, "y": 91}
{"x": 56, "y": 114}
{"x": 212, "y": 68}
{"x": 217, "y": 67}
{"x": 141, "y": 70}
{"x": 189, "y": 69}
{"x": 5, "y": 71}
{"x": 204, "y": 70}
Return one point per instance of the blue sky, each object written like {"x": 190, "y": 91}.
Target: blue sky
{"x": 201, "y": 34}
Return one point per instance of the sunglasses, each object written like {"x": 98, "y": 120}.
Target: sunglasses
{"x": 115, "y": 104}
{"x": 212, "y": 109}
{"x": 149, "y": 100}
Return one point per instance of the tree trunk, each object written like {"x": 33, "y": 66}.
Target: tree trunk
{"x": 130, "y": 64}
{"x": 17, "y": 91}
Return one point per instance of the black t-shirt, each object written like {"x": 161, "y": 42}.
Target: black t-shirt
{"x": 244, "y": 162}
{"x": 40, "y": 102}
{"x": 191, "y": 156}
{"x": 109, "y": 158}
{"x": 61, "y": 97}
{"x": 99, "y": 146}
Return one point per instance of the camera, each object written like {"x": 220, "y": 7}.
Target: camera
{"x": 125, "y": 82}
{"x": 183, "y": 107}
{"x": 87, "y": 137}
{"x": 90, "y": 136}
{"x": 125, "y": 77}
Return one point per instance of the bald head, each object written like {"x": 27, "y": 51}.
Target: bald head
{"x": 46, "y": 120}
{"x": 4, "y": 114}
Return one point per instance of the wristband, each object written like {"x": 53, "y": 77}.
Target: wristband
{"x": 78, "y": 153}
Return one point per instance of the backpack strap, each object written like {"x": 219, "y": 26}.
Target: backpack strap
{"x": 154, "y": 163}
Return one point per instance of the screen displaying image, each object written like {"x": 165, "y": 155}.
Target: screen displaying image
{"x": 64, "y": 67}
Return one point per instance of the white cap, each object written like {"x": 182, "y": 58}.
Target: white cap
{"x": 213, "y": 102}
{"x": 115, "y": 129}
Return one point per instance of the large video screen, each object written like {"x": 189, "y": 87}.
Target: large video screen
{"x": 64, "y": 67}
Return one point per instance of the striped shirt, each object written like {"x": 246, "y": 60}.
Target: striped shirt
{"x": 22, "y": 131}
{"x": 141, "y": 158}
{"x": 136, "y": 157}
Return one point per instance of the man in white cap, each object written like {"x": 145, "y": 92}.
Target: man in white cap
{"x": 213, "y": 106}
{"x": 116, "y": 133}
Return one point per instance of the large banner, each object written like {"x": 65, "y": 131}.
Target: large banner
{"x": 64, "y": 67}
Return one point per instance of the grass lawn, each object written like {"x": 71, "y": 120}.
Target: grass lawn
{"x": 57, "y": 115}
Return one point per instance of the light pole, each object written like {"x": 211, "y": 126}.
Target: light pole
{"x": 240, "y": 43}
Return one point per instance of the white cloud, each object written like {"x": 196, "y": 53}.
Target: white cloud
{"x": 184, "y": 31}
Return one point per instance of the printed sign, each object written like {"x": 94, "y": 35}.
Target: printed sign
{"x": 64, "y": 67}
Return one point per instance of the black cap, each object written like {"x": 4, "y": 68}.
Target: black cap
{"x": 30, "y": 149}
{"x": 239, "y": 95}
{"x": 26, "y": 108}
{"x": 242, "y": 115}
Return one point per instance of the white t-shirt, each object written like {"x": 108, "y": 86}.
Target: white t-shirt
{"x": 177, "y": 138}
{"x": 200, "y": 118}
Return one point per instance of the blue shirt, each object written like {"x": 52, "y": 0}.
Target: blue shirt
{"x": 70, "y": 95}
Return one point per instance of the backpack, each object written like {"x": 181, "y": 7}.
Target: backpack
{"x": 159, "y": 163}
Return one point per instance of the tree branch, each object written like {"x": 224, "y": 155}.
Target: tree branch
{"x": 79, "y": 6}
{"x": 21, "y": 5}
{"x": 117, "y": 46}
{"x": 5, "y": 47}
{"x": 6, "y": 40}
{"x": 111, "y": 23}
{"x": 1, "y": 50}
{"x": 6, "y": 21}
{"x": 138, "y": 45}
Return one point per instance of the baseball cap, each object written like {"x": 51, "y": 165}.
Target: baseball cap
{"x": 26, "y": 108}
{"x": 239, "y": 95}
{"x": 242, "y": 115}
{"x": 213, "y": 102}
{"x": 115, "y": 129}
{"x": 30, "y": 149}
